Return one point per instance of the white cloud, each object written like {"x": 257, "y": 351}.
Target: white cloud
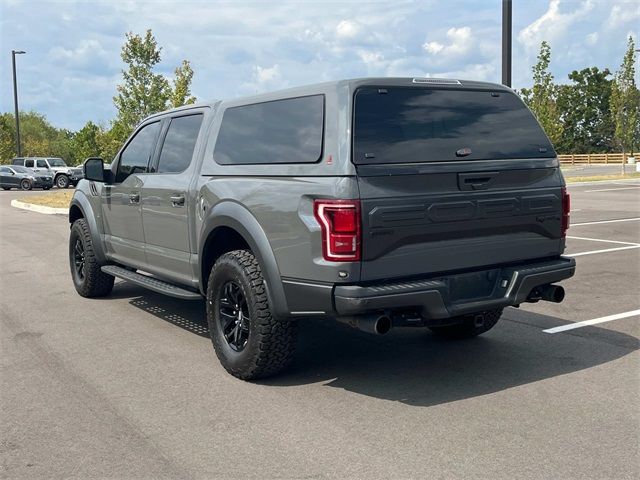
{"x": 592, "y": 38}
{"x": 264, "y": 79}
{"x": 552, "y": 24}
{"x": 433, "y": 47}
{"x": 267, "y": 74}
{"x": 460, "y": 43}
{"x": 477, "y": 71}
{"x": 84, "y": 50}
{"x": 622, "y": 14}
{"x": 371, "y": 58}
{"x": 348, "y": 29}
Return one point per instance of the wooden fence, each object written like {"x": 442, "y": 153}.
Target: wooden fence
{"x": 589, "y": 158}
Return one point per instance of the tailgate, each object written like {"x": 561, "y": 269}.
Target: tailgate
{"x": 425, "y": 224}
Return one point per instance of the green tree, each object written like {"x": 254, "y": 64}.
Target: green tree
{"x": 625, "y": 103}
{"x": 181, "y": 94}
{"x": 7, "y": 138}
{"x": 142, "y": 91}
{"x": 584, "y": 111}
{"x": 37, "y": 136}
{"x": 85, "y": 142}
{"x": 541, "y": 98}
{"x": 110, "y": 141}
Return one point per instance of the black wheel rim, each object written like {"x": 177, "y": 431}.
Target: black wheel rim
{"x": 233, "y": 315}
{"x": 78, "y": 259}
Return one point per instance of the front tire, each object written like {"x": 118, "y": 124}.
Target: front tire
{"x": 470, "y": 325}
{"x": 249, "y": 342}
{"x": 88, "y": 279}
{"x": 25, "y": 184}
{"x": 6, "y": 188}
{"x": 62, "y": 181}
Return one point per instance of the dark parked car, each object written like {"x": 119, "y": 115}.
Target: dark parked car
{"x": 15, "y": 176}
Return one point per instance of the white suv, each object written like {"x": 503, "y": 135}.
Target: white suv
{"x": 63, "y": 176}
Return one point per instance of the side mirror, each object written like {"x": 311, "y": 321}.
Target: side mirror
{"x": 94, "y": 169}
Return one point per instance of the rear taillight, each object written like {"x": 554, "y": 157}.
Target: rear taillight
{"x": 566, "y": 208}
{"x": 340, "y": 224}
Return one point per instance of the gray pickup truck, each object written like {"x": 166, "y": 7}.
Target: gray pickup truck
{"x": 377, "y": 202}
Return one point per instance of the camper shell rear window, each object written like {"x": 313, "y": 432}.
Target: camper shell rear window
{"x": 414, "y": 125}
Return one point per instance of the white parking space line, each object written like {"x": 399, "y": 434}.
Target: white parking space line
{"x": 595, "y": 321}
{"x": 611, "y": 189}
{"x": 606, "y": 221}
{"x": 604, "y": 241}
{"x": 602, "y": 251}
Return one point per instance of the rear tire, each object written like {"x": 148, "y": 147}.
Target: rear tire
{"x": 88, "y": 279}
{"x": 25, "y": 184}
{"x": 249, "y": 342}
{"x": 469, "y": 327}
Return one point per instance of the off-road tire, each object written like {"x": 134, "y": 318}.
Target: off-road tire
{"x": 271, "y": 341}
{"x": 94, "y": 283}
{"x": 62, "y": 181}
{"x": 468, "y": 327}
{"x": 25, "y": 184}
{"x": 46, "y": 188}
{"x": 6, "y": 188}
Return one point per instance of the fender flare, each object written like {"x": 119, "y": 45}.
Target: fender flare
{"x": 80, "y": 201}
{"x": 233, "y": 215}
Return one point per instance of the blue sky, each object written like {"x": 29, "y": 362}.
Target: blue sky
{"x": 73, "y": 64}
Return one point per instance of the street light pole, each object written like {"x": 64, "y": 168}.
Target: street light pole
{"x": 506, "y": 42}
{"x": 15, "y": 99}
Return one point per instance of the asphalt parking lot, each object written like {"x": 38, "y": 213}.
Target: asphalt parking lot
{"x": 129, "y": 386}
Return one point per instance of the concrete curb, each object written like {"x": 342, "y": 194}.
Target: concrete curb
{"x": 39, "y": 208}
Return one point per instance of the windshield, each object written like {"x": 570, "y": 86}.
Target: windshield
{"x": 408, "y": 125}
{"x": 19, "y": 169}
{"x": 57, "y": 162}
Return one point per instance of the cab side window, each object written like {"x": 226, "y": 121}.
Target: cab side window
{"x": 28, "y": 163}
{"x": 136, "y": 155}
{"x": 179, "y": 144}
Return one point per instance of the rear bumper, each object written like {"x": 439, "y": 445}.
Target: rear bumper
{"x": 454, "y": 295}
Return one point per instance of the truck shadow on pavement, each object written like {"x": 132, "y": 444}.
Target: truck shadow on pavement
{"x": 415, "y": 367}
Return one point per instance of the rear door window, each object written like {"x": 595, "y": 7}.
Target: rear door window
{"x": 409, "y": 125}
{"x": 179, "y": 144}
{"x": 280, "y": 131}
{"x": 42, "y": 164}
{"x": 28, "y": 163}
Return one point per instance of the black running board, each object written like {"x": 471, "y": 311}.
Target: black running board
{"x": 151, "y": 283}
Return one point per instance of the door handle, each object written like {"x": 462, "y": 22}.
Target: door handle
{"x": 134, "y": 198}
{"x": 476, "y": 181}
{"x": 177, "y": 200}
